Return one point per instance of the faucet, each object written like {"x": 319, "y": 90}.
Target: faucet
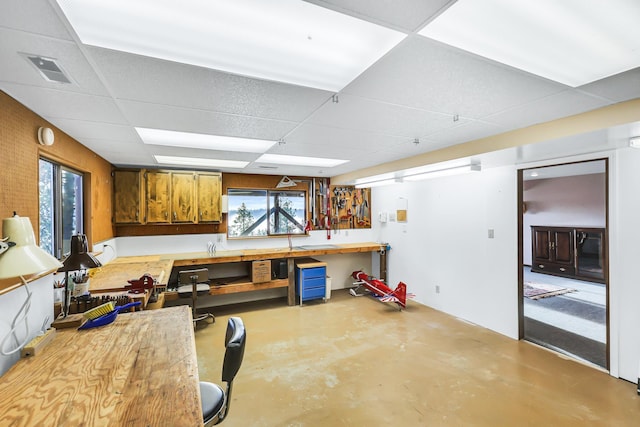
{"x": 211, "y": 248}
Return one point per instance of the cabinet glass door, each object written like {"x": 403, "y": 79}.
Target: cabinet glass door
{"x": 590, "y": 255}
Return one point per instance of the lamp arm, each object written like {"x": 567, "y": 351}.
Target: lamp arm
{"x": 20, "y": 316}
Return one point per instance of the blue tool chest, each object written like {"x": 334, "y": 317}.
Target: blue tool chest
{"x": 311, "y": 280}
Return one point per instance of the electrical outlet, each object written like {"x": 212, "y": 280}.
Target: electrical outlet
{"x": 437, "y": 289}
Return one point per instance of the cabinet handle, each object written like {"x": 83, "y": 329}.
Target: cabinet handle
{"x": 166, "y": 214}
{"x": 540, "y": 266}
{"x": 200, "y": 215}
{"x": 137, "y": 215}
{"x": 175, "y": 216}
{"x": 563, "y": 269}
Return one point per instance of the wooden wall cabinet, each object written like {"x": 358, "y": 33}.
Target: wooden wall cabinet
{"x": 158, "y": 197}
{"x": 128, "y": 197}
{"x": 183, "y": 207}
{"x": 576, "y": 252}
{"x": 209, "y": 189}
{"x": 167, "y": 197}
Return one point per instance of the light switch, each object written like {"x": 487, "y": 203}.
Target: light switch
{"x": 490, "y": 233}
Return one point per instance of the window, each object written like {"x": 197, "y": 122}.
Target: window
{"x": 61, "y": 207}
{"x": 255, "y": 213}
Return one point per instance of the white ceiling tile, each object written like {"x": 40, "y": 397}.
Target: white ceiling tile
{"x": 16, "y": 68}
{"x": 432, "y": 76}
{"x": 408, "y": 15}
{"x": 464, "y": 133}
{"x": 374, "y": 116}
{"x": 621, "y": 87}
{"x": 81, "y": 129}
{"x": 138, "y": 78}
{"x": 156, "y": 116}
{"x": 68, "y": 105}
{"x": 561, "y": 104}
{"x": 35, "y": 16}
{"x": 331, "y": 139}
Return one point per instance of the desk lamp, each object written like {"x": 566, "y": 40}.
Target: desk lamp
{"x": 78, "y": 259}
{"x": 19, "y": 257}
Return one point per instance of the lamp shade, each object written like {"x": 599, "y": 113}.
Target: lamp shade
{"x": 79, "y": 258}
{"x": 23, "y": 257}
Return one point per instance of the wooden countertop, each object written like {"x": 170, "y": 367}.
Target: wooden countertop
{"x": 140, "y": 370}
{"x": 113, "y": 276}
{"x": 195, "y": 258}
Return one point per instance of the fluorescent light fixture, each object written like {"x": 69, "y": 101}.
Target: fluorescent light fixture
{"x": 281, "y": 159}
{"x": 193, "y": 161}
{"x": 573, "y": 42}
{"x": 203, "y": 141}
{"x": 289, "y": 41}
{"x": 444, "y": 171}
{"x": 634, "y": 142}
{"x": 378, "y": 183}
{"x": 376, "y": 180}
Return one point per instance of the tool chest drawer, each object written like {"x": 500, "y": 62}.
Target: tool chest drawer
{"x": 310, "y": 280}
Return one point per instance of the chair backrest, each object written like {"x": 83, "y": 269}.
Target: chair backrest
{"x": 186, "y": 276}
{"x": 235, "y": 340}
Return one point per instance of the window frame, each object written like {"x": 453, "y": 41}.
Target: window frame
{"x": 57, "y": 236}
{"x": 267, "y": 218}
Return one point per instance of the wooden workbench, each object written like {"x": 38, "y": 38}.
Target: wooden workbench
{"x": 140, "y": 370}
{"x": 114, "y": 276}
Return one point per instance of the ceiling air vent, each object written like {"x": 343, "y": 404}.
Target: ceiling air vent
{"x": 48, "y": 69}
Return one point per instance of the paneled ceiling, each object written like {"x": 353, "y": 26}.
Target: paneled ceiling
{"x": 421, "y": 90}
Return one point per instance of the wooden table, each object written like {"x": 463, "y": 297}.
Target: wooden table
{"x": 140, "y": 370}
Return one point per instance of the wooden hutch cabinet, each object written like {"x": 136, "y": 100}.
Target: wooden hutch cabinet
{"x": 569, "y": 251}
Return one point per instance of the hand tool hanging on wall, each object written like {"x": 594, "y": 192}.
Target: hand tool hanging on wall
{"x": 328, "y": 196}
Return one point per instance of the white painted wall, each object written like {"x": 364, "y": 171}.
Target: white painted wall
{"x": 40, "y": 313}
{"x": 445, "y": 243}
{"x": 624, "y": 284}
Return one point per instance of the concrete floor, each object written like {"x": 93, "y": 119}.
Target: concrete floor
{"x": 358, "y": 362}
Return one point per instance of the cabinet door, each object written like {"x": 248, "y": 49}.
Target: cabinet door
{"x": 562, "y": 246}
{"x": 158, "y": 196}
{"x": 540, "y": 244}
{"x": 127, "y": 200}
{"x": 182, "y": 197}
{"x": 590, "y": 253}
{"x": 209, "y": 197}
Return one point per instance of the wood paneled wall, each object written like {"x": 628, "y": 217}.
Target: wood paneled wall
{"x": 19, "y": 154}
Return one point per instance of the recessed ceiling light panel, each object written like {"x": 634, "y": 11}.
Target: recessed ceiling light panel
{"x": 289, "y": 41}
{"x": 573, "y": 42}
{"x": 203, "y": 141}
{"x": 281, "y": 159}
{"x": 193, "y": 161}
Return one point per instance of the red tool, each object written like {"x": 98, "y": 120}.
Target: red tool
{"x": 138, "y": 286}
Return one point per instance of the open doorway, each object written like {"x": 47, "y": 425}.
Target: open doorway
{"x": 563, "y": 294}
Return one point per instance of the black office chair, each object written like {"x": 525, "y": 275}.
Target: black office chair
{"x": 216, "y": 401}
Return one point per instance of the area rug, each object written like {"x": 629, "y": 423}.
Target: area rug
{"x": 533, "y": 290}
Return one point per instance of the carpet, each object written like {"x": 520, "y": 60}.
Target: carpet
{"x": 534, "y": 290}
